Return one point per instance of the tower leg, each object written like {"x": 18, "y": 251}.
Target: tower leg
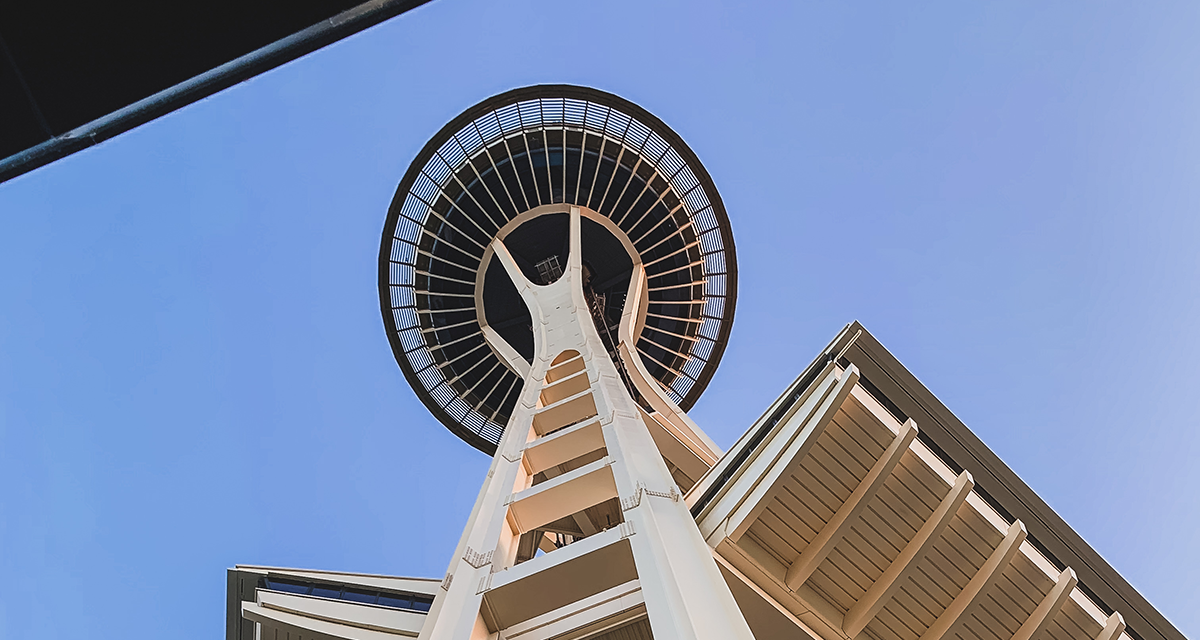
{"x": 579, "y": 504}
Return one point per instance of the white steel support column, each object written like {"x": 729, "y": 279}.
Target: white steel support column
{"x": 684, "y": 594}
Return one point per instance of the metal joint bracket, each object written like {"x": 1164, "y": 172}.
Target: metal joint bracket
{"x": 672, "y": 495}
{"x": 635, "y": 500}
{"x": 629, "y": 502}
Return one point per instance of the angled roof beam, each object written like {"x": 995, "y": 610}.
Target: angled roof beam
{"x": 987, "y": 574}
{"x": 1113, "y": 628}
{"x": 1049, "y": 606}
{"x": 833, "y": 531}
{"x": 886, "y": 586}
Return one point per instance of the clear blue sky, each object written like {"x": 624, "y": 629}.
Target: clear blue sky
{"x": 194, "y": 373}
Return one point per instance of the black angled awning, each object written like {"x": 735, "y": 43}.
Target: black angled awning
{"x": 74, "y": 73}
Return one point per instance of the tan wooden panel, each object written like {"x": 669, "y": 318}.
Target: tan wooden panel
{"x": 814, "y": 514}
{"x": 770, "y": 539}
{"x": 890, "y": 505}
{"x": 757, "y": 535}
{"x": 882, "y": 628}
{"x": 796, "y": 513}
{"x": 929, "y": 584}
{"x": 1080, "y": 623}
{"x": 1008, "y": 602}
{"x": 910, "y": 607}
{"x": 831, "y": 474}
{"x": 860, "y": 544}
{"x": 1030, "y": 580}
{"x": 856, "y": 441}
{"x": 1065, "y": 626}
{"x": 972, "y": 548}
{"x": 849, "y": 445}
{"x": 978, "y": 531}
{"x": 851, "y": 563}
{"x": 954, "y": 558}
{"x": 878, "y": 530}
{"x": 870, "y": 423}
{"x": 1000, "y": 616}
{"x": 979, "y": 626}
{"x": 823, "y": 503}
{"x": 950, "y": 577}
{"x": 1056, "y": 631}
{"x": 925, "y": 485}
{"x": 893, "y": 622}
{"x": 848, "y": 471}
{"x": 772, "y": 517}
{"x": 834, "y": 584}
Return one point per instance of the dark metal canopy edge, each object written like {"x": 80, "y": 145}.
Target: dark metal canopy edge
{"x": 206, "y": 84}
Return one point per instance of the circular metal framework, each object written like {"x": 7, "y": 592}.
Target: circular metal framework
{"x": 542, "y": 145}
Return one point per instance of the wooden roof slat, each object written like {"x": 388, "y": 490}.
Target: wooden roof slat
{"x": 892, "y": 627}
{"x": 909, "y": 607}
{"x": 832, "y": 476}
{"x": 850, "y": 511}
{"x": 1029, "y": 581}
{"x": 929, "y": 582}
{"x": 850, "y": 443}
{"x": 1048, "y": 607}
{"x": 875, "y": 528}
{"x": 846, "y": 470}
{"x": 778, "y": 534}
{"x": 894, "y": 503}
{"x": 833, "y": 581}
{"x": 801, "y": 519}
{"x": 869, "y": 425}
{"x": 898, "y": 619}
{"x": 826, "y": 501}
{"x": 767, "y": 539}
{"x": 865, "y": 609}
{"x": 859, "y": 569}
{"x": 985, "y": 577}
{"x": 963, "y": 557}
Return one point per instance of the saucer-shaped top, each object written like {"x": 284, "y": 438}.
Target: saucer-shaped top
{"x": 513, "y": 153}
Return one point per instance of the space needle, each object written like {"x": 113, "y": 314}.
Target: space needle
{"x": 558, "y": 279}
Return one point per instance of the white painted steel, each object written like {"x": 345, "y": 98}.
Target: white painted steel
{"x": 682, "y": 589}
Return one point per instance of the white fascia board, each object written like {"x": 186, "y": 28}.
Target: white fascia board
{"x": 306, "y": 625}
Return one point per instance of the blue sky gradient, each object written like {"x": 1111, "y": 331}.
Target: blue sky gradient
{"x": 194, "y": 373}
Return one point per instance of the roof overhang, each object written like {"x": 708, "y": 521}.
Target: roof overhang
{"x": 857, "y": 381}
{"x": 74, "y": 73}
